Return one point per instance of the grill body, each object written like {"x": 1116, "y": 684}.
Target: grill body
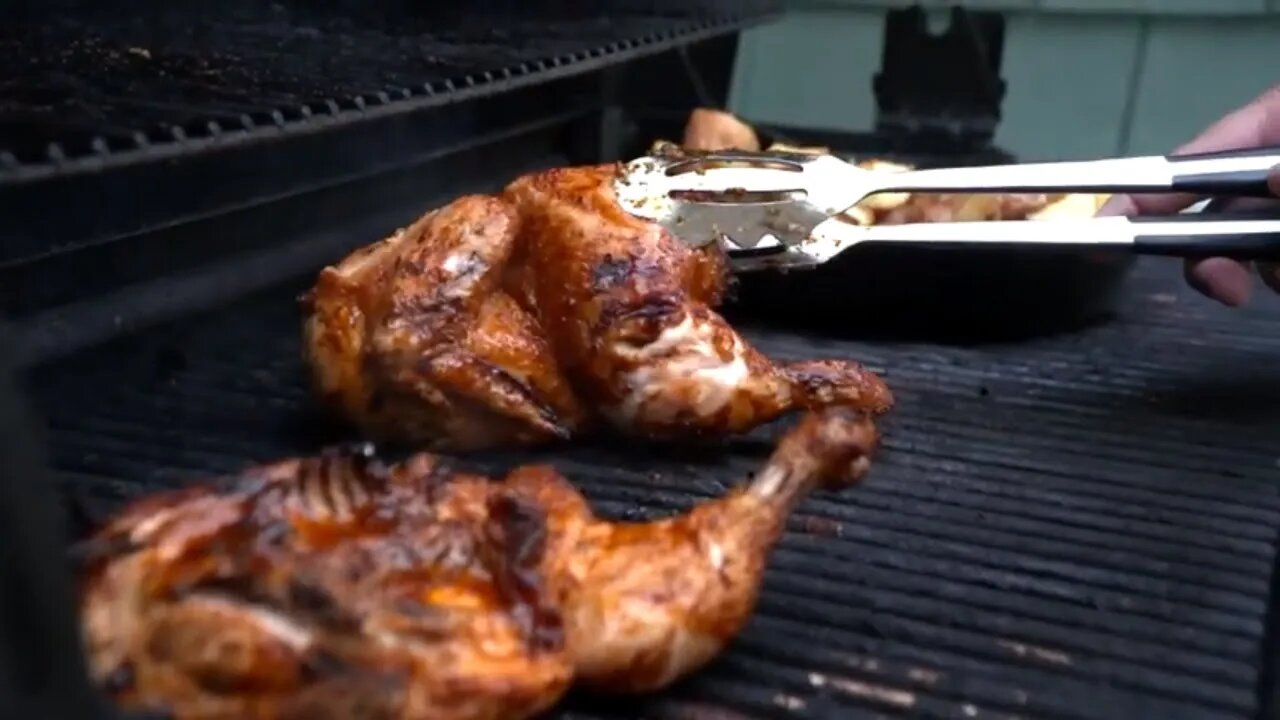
{"x": 1076, "y": 525}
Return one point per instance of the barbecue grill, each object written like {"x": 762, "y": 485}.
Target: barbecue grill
{"x": 1077, "y": 525}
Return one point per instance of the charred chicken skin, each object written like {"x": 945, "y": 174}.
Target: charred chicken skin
{"x": 340, "y": 587}
{"x": 545, "y": 312}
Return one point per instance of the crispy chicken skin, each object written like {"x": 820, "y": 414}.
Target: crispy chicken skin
{"x": 544, "y": 312}
{"x": 416, "y": 337}
{"x": 339, "y": 587}
{"x": 628, "y": 308}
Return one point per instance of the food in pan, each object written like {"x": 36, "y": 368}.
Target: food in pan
{"x": 717, "y": 130}
{"x": 545, "y": 312}
{"x": 339, "y": 587}
{"x": 710, "y": 129}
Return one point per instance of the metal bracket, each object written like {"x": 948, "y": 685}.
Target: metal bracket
{"x": 946, "y": 84}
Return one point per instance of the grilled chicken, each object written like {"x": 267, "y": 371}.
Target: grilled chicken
{"x": 545, "y": 312}
{"x": 339, "y": 587}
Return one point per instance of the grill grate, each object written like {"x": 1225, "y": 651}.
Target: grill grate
{"x": 1078, "y": 526}
{"x": 94, "y": 78}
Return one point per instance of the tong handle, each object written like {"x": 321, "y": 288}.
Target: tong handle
{"x": 1235, "y": 173}
{"x": 1243, "y": 236}
{"x": 1189, "y": 236}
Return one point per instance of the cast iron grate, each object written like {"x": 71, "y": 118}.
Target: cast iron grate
{"x": 1078, "y": 526}
{"x": 102, "y": 78}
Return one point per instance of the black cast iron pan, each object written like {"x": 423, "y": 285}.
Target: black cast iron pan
{"x": 923, "y": 293}
{"x": 915, "y": 293}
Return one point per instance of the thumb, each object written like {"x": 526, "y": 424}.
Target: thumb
{"x": 1270, "y": 271}
{"x": 1273, "y": 181}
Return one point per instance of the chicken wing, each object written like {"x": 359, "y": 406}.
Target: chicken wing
{"x": 545, "y": 312}
{"x": 339, "y": 587}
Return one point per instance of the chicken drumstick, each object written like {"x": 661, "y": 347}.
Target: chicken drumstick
{"x": 337, "y": 587}
{"x": 542, "y": 313}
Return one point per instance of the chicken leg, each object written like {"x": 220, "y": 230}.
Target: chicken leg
{"x": 337, "y": 587}
{"x": 645, "y": 604}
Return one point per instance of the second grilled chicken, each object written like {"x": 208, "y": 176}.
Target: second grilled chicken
{"x": 341, "y": 588}
{"x": 546, "y": 312}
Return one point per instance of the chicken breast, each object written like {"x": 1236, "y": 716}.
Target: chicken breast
{"x": 340, "y": 587}
{"x": 543, "y": 313}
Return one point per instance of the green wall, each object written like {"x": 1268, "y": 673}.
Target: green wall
{"x": 1086, "y": 77}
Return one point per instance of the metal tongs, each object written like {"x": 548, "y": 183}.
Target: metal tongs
{"x": 780, "y": 210}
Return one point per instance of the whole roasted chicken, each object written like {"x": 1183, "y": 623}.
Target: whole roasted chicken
{"x": 544, "y": 312}
{"x": 339, "y": 587}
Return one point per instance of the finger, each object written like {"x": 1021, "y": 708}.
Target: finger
{"x": 1222, "y": 279}
{"x": 1247, "y": 204}
{"x": 1145, "y": 204}
{"x": 1118, "y": 205}
{"x": 1253, "y": 125}
{"x": 1270, "y": 274}
{"x": 1165, "y": 204}
{"x": 1125, "y": 204}
{"x": 1270, "y": 271}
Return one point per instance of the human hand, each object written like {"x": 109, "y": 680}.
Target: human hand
{"x": 1254, "y": 125}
